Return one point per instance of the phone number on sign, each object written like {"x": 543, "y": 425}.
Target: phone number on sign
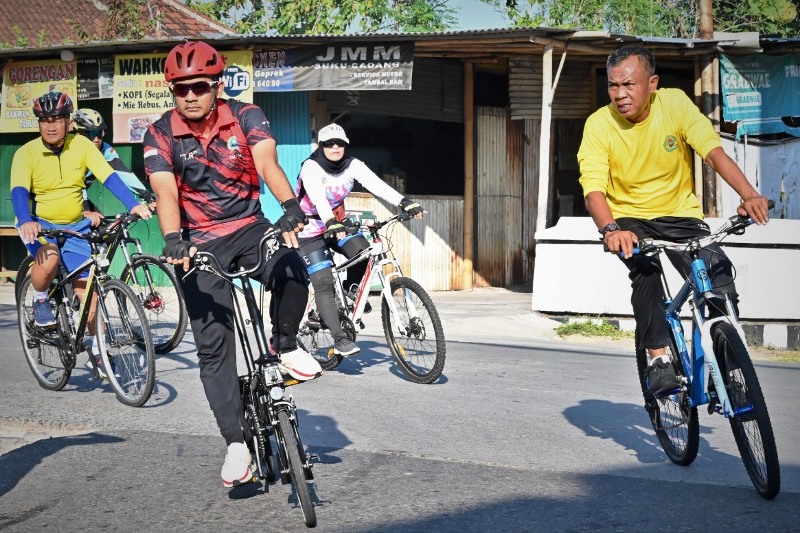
{"x": 267, "y": 83}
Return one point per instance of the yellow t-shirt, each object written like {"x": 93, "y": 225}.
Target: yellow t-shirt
{"x": 645, "y": 169}
{"x": 56, "y": 182}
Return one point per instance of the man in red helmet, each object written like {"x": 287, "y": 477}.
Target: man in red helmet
{"x": 203, "y": 160}
{"x": 47, "y": 184}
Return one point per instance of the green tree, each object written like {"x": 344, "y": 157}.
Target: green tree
{"x": 294, "y": 17}
{"x": 126, "y": 20}
{"x": 663, "y": 18}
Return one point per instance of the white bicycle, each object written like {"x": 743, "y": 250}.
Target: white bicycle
{"x": 410, "y": 321}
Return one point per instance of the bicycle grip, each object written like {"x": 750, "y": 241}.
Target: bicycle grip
{"x": 636, "y": 250}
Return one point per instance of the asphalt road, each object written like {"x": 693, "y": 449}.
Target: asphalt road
{"x": 519, "y": 435}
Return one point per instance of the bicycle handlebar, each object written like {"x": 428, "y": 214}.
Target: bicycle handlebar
{"x": 95, "y": 235}
{"x": 206, "y": 261}
{"x": 381, "y": 223}
{"x": 735, "y": 225}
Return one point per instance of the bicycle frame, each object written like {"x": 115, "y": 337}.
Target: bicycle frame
{"x": 377, "y": 257}
{"x": 97, "y": 264}
{"x": 263, "y": 369}
{"x": 697, "y": 289}
{"x": 63, "y": 292}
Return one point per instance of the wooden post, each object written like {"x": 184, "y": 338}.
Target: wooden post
{"x": 467, "y": 269}
{"x": 710, "y": 103}
{"x": 544, "y": 140}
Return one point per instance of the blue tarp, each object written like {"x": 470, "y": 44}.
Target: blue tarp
{"x": 758, "y": 90}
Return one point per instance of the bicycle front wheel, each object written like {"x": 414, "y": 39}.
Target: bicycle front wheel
{"x": 22, "y": 273}
{"x": 42, "y": 347}
{"x": 159, "y": 291}
{"x": 415, "y": 336}
{"x": 674, "y": 421}
{"x": 294, "y": 454}
{"x": 124, "y": 342}
{"x": 751, "y": 425}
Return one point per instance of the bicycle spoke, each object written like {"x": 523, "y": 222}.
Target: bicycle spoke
{"x": 415, "y": 334}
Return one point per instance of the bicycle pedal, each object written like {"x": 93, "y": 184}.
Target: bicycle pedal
{"x": 360, "y": 324}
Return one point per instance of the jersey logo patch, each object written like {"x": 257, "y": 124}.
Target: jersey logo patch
{"x": 671, "y": 143}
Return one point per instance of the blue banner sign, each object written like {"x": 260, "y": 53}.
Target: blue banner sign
{"x": 759, "y": 90}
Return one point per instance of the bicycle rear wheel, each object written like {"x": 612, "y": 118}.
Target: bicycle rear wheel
{"x": 159, "y": 291}
{"x": 296, "y": 464}
{"x": 418, "y": 346}
{"x": 751, "y": 426}
{"x": 315, "y": 338}
{"x": 42, "y": 347}
{"x": 674, "y": 421}
{"x": 124, "y": 342}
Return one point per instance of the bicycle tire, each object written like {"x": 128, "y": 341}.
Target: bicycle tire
{"x": 752, "y": 430}
{"x": 124, "y": 343}
{"x": 294, "y": 454}
{"x": 22, "y": 272}
{"x": 256, "y": 418}
{"x": 675, "y": 423}
{"x": 163, "y": 304}
{"x": 315, "y": 338}
{"x": 419, "y": 356}
{"x": 42, "y": 347}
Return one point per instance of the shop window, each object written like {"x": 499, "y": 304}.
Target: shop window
{"x": 416, "y": 157}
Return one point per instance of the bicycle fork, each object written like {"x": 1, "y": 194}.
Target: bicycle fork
{"x": 723, "y": 403}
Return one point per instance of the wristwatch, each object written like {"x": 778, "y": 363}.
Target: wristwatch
{"x": 608, "y": 227}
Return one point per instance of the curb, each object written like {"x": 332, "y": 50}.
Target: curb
{"x": 762, "y": 334}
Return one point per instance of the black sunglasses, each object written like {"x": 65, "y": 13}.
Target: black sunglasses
{"x": 92, "y": 134}
{"x": 199, "y": 88}
{"x": 333, "y": 142}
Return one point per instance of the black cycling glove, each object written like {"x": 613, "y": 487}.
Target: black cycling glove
{"x": 293, "y": 216}
{"x": 175, "y": 247}
{"x": 334, "y": 227}
{"x": 411, "y": 207}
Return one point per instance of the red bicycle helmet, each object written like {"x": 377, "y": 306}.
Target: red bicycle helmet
{"x": 192, "y": 59}
{"x": 52, "y": 104}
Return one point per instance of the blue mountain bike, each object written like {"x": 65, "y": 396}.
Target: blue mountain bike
{"x": 716, "y": 371}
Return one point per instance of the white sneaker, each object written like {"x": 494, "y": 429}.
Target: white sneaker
{"x": 300, "y": 365}
{"x": 100, "y": 368}
{"x": 238, "y": 467}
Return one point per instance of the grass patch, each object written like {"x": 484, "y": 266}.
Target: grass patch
{"x": 771, "y": 353}
{"x": 592, "y": 328}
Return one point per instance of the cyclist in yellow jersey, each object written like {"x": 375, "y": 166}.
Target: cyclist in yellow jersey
{"x": 47, "y": 181}
{"x": 636, "y": 172}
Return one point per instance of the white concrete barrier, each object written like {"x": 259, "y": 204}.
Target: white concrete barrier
{"x": 573, "y": 275}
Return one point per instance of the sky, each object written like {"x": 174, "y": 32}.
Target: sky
{"x": 475, "y": 15}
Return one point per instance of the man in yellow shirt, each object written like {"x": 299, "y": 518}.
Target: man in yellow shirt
{"x": 47, "y": 182}
{"x": 636, "y": 172}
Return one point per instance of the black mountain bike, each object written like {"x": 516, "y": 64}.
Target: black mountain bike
{"x": 150, "y": 278}
{"x": 123, "y": 336}
{"x": 268, "y": 404}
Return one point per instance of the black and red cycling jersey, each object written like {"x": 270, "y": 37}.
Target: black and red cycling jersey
{"x": 218, "y": 186}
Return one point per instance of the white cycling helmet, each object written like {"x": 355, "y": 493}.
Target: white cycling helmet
{"x": 332, "y": 131}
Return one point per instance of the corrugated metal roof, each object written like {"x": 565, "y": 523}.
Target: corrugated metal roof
{"x": 467, "y": 44}
{"x": 50, "y": 23}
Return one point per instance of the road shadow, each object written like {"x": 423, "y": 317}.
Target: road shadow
{"x": 374, "y": 353}
{"x": 17, "y": 463}
{"x": 629, "y": 426}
